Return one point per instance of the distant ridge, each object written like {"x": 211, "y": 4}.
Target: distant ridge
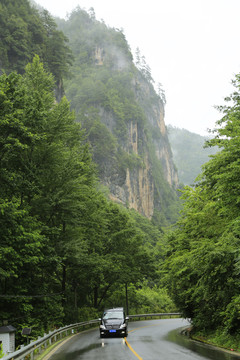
{"x": 188, "y": 153}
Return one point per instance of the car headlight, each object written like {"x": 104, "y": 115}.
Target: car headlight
{"x": 102, "y": 327}
{"x": 123, "y": 326}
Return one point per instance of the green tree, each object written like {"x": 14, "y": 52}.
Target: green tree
{"x": 203, "y": 252}
{"x": 57, "y": 55}
{"x": 26, "y": 32}
{"x": 46, "y": 175}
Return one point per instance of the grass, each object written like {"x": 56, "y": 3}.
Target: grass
{"x": 220, "y": 339}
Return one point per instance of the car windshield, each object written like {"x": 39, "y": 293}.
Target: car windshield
{"x": 113, "y": 315}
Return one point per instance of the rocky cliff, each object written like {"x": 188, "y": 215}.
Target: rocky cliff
{"x": 138, "y": 189}
{"x": 123, "y": 116}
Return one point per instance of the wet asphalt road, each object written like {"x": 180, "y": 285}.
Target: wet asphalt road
{"x": 147, "y": 340}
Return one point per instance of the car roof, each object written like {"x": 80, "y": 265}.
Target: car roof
{"x": 115, "y": 309}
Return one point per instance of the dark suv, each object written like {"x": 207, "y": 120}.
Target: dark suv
{"x": 113, "y": 322}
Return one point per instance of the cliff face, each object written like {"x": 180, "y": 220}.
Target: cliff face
{"x": 155, "y": 117}
{"x": 164, "y": 153}
{"x": 123, "y": 117}
{"x": 137, "y": 189}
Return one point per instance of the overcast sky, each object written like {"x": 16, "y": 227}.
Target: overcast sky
{"x": 191, "y": 46}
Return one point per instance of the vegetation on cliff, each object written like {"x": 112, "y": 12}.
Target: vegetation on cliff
{"x": 116, "y": 103}
{"x": 26, "y": 32}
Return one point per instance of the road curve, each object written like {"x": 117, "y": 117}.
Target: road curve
{"x": 147, "y": 340}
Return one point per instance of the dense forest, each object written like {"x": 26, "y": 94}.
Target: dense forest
{"x": 189, "y": 153}
{"x": 202, "y": 256}
{"x": 67, "y": 250}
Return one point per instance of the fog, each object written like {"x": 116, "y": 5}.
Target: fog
{"x": 190, "y": 46}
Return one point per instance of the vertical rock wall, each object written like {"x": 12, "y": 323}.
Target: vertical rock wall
{"x": 137, "y": 186}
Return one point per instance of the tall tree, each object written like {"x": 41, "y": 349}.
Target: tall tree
{"x": 203, "y": 253}
{"x": 26, "y": 32}
{"x": 46, "y": 175}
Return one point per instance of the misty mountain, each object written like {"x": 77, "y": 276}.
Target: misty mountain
{"x": 189, "y": 153}
{"x": 123, "y": 117}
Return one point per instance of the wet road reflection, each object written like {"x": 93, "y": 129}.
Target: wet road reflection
{"x": 147, "y": 340}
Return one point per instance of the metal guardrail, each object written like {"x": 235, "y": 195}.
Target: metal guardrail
{"x": 35, "y": 348}
{"x": 159, "y": 315}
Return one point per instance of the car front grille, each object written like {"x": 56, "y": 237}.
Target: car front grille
{"x": 114, "y": 327}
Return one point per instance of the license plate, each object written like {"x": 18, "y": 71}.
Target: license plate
{"x": 112, "y": 331}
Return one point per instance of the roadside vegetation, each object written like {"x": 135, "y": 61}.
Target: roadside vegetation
{"x": 202, "y": 257}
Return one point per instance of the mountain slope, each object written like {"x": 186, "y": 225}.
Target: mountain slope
{"x": 123, "y": 117}
{"x": 189, "y": 153}
{"x": 114, "y": 100}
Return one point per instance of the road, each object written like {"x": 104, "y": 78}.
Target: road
{"x": 147, "y": 340}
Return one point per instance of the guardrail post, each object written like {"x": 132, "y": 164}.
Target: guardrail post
{"x": 32, "y": 355}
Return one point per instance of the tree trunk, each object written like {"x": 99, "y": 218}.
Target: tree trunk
{"x": 95, "y": 301}
{"x": 104, "y": 294}
{"x": 75, "y": 297}
{"x": 126, "y": 292}
{"x": 64, "y": 276}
